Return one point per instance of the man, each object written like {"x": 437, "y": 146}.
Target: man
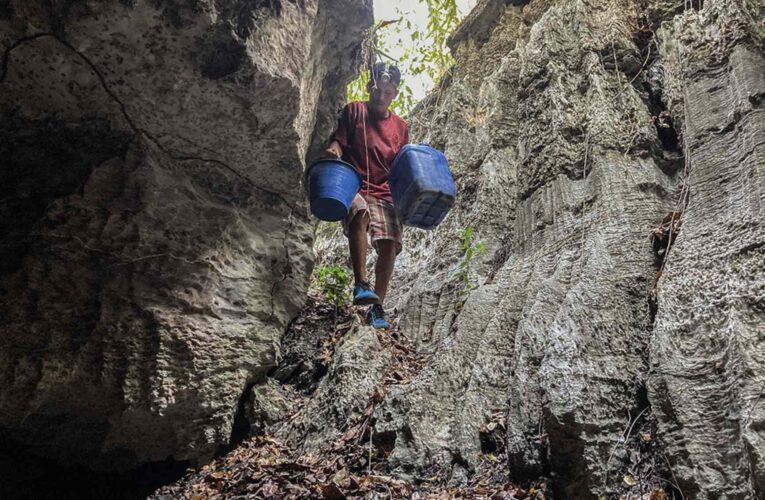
{"x": 368, "y": 137}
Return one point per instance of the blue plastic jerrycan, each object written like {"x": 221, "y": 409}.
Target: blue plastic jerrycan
{"x": 422, "y": 186}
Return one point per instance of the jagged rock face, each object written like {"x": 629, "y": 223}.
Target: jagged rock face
{"x": 708, "y": 346}
{"x": 155, "y": 240}
{"x": 558, "y": 179}
{"x": 573, "y": 128}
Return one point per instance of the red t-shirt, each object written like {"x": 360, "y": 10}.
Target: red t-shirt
{"x": 384, "y": 139}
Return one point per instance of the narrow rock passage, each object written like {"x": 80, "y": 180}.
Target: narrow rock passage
{"x": 156, "y": 247}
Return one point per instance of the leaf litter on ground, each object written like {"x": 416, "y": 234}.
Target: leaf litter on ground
{"x": 354, "y": 466}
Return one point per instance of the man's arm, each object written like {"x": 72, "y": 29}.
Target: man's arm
{"x": 340, "y": 137}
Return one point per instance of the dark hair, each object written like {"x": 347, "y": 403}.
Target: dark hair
{"x": 385, "y": 72}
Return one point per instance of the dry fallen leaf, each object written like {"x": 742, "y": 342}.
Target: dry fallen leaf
{"x": 658, "y": 495}
{"x": 332, "y": 492}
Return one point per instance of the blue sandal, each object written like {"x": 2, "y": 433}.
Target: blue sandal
{"x": 363, "y": 295}
{"x": 376, "y": 317}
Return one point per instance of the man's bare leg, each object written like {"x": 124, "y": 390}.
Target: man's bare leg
{"x": 386, "y": 257}
{"x": 357, "y": 240}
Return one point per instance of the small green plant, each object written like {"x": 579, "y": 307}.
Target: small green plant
{"x": 470, "y": 249}
{"x": 334, "y": 283}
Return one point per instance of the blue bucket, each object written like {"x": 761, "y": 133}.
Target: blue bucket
{"x": 422, "y": 186}
{"x": 332, "y": 185}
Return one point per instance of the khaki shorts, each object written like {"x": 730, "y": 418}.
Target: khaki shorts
{"x": 384, "y": 224}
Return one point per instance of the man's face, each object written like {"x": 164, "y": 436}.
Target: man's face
{"x": 382, "y": 96}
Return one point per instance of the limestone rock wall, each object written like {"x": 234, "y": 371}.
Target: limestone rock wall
{"x": 557, "y": 178}
{"x": 154, "y": 239}
{"x": 573, "y": 128}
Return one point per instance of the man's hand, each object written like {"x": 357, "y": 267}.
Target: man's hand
{"x": 334, "y": 150}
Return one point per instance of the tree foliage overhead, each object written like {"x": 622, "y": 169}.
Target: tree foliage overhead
{"x": 426, "y": 53}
